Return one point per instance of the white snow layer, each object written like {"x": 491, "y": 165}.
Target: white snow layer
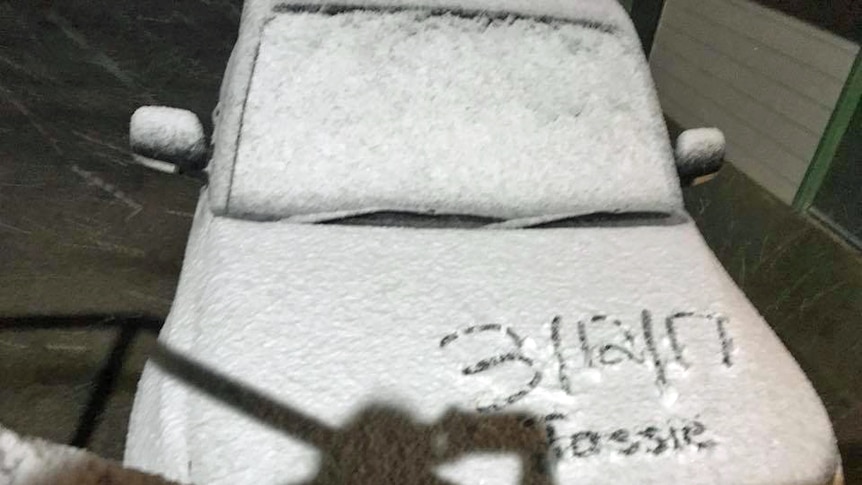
{"x": 652, "y": 366}
{"x": 256, "y": 13}
{"x": 167, "y": 131}
{"x": 403, "y": 111}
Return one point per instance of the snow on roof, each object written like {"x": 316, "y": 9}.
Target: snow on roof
{"x": 409, "y": 111}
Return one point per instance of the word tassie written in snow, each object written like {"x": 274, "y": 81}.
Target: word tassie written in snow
{"x": 652, "y": 440}
{"x": 602, "y": 342}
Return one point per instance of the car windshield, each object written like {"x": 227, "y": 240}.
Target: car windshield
{"x": 490, "y": 117}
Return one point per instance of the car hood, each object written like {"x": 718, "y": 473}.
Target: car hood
{"x": 629, "y": 348}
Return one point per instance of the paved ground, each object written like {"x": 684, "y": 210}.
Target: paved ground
{"x": 90, "y": 245}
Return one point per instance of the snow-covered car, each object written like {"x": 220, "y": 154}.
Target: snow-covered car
{"x": 444, "y": 242}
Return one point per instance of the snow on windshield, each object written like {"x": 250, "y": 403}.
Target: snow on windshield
{"x": 441, "y": 113}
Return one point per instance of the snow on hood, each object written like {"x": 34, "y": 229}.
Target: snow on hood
{"x": 408, "y": 111}
{"x": 629, "y": 347}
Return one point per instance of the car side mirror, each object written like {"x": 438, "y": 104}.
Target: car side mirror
{"x": 167, "y": 139}
{"x": 699, "y": 155}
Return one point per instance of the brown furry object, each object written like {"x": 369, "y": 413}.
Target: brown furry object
{"x": 33, "y": 461}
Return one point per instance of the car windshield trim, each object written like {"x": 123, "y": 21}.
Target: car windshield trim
{"x": 331, "y": 9}
{"x": 592, "y": 219}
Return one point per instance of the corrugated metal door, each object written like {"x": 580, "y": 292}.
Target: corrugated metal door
{"x": 768, "y": 80}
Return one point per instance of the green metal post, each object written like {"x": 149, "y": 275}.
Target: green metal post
{"x": 835, "y": 130}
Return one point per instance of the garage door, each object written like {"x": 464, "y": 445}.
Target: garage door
{"x": 768, "y": 80}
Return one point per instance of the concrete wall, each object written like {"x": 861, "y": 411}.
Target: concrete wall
{"x": 768, "y": 80}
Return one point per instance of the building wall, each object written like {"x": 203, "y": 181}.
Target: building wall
{"x": 769, "y": 81}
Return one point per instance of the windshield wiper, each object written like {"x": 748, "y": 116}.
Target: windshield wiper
{"x": 431, "y": 220}
{"x": 390, "y": 218}
{"x": 590, "y": 219}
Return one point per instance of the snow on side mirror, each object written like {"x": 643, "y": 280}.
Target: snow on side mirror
{"x": 167, "y": 139}
{"x": 699, "y": 155}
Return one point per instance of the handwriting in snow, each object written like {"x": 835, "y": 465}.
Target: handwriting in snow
{"x": 674, "y": 437}
{"x": 602, "y": 342}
